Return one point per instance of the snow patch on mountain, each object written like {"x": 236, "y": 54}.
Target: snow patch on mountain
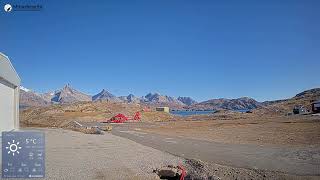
{"x": 25, "y": 89}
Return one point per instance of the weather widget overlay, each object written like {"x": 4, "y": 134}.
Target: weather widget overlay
{"x": 23, "y": 154}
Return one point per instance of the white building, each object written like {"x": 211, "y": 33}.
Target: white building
{"x": 9, "y": 95}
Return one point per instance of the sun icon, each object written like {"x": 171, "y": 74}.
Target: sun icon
{"x": 13, "y": 147}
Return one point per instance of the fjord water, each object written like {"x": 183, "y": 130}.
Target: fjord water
{"x": 189, "y": 113}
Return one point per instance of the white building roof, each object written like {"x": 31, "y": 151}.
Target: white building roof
{"x": 7, "y": 72}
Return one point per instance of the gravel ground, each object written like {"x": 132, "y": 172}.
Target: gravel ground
{"x": 199, "y": 170}
{"x": 74, "y": 155}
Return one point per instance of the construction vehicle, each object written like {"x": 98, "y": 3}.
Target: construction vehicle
{"x": 121, "y": 118}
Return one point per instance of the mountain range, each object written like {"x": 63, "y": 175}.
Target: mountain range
{"x": 70, "y": 95}
{"x": 229, "y": 104}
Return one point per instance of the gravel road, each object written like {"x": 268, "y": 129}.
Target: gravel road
{"x": 73, "y": 155}
{"x": 302, "y": 161}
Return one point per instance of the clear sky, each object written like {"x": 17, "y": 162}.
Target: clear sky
{"x": 204, "y": 49}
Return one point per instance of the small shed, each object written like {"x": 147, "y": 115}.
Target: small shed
{"x": 9, "y": 95}
{"x": 163, "y": 109}
{"x": 299, "y": 110}
{"x": 316, "y": 106}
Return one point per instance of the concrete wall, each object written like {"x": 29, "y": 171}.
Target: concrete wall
{"x": 7, "y": 108}
{"x": 9, "y": 95}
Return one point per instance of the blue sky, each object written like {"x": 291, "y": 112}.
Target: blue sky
{"x": 203, "y": 49}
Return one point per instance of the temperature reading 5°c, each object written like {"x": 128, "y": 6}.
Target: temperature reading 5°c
{"x": 33, "y": 141}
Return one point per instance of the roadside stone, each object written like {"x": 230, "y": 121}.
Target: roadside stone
{"x": 171, "y": 172}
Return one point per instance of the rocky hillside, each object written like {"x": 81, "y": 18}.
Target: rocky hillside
{"x": 47, "y": 96}
{"x": 130, "y": 99}
{"x": 229, "y": 104}
{"x": 187, "y": 100}
{"x": 29, "y": 98}
{"x": 156, "y": 99}
{"x": 284, "y": 106}
{"x": 104, "y": 95}
{"x": 60, "y": 115}
{"x": 69, "y": 95}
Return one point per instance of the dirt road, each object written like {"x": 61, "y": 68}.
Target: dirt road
{"x": 292, "y": 160}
